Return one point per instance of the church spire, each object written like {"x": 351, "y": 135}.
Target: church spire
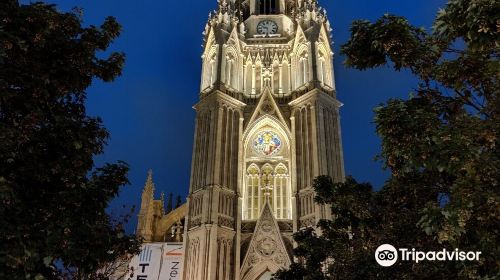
{"x": 149, "y": 187}
{"x": 148, "y": 193}
{"x": 144, "y": 227}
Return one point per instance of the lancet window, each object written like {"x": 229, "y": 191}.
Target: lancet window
{"x": 302, "y": 69}
{"x": 268, "y": 7}
{"x": 269, "y": 182}
{"x": 209, "y": 70}
{"x": 324, "y": 71}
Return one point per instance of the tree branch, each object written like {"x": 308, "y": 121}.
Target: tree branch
{"x": 470, "y": 103}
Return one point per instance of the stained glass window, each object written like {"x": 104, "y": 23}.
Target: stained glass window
{"x": 267, "y": 143}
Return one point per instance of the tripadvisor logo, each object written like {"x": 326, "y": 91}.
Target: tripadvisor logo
{"x": 387, "y": 255}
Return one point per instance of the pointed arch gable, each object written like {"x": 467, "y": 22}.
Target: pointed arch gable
{"x": 266, "y": 228}
{"x": 249, "y": 59}
{"x": 267, "y": 98}
{"x": 281, "y": 166}
{"x": 258, "y": 59}
{"x": 253, "y": 166}
{"x": 267, "y": 166}
{"x": 232, "y": 49}
{"x": 234, "y": 40}
{"x": 209, "y": 68}
{"x": 266, "y": 120}
{"x": 300, "y": 37}
{"x": 210, "y": 41}
{"x": 232, "y": 65}
{"x": 324, "y": 38}
{"x": 276, "y": 58}
{"x": 324, "y": 56}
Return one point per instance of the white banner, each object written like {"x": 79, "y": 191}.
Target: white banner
{"x": 146, "y": 265}
{"x": 172, "y": 262}
{"x": 158, "y": 261}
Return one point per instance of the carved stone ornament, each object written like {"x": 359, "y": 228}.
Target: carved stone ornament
{"x": 267, "y": 107}
{"x": 267, "y": 226}
{"x": 266, "y": 248}
{"x": 226, "y": 222}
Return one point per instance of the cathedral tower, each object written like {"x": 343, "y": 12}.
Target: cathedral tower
{"x": 267, "y": 124}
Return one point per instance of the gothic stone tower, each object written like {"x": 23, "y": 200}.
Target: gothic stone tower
{"x": 267, "y": 123}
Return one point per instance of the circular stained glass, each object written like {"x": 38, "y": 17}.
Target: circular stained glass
{"x": 267, "y": 143}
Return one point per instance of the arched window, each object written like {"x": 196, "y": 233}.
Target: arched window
{"x": 285, "y": 77}
{"x": 303, "y": 71}
{"x": 249, "y": 79}
{"x": 276, "y": 78}
{"x": 269, "y": 182}
{"x": 229, "y": 72}
{"x": 281, "y": 205}
{"x": 232, "y": 68}
{"x": 252, "y": 192}
{"x": 212, "y": 69}
{"x": 209, "y": 70}
{"x": 267, "y": 177}
{"x": 257, "y": 78}
{"x": 323, "y": 68}
{"x": 268, "y": 7}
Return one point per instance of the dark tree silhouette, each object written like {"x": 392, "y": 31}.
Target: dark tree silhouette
{"x": 53, "y": 223}
{"x": 441, "y": 146}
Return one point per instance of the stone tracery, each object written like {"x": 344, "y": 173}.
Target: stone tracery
{"x": 267, "y": 174}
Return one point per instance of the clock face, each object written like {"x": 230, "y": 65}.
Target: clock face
{"x": 267, "y": 27}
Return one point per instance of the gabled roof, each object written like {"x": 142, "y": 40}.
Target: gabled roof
{"x": 266, "y": 251}
{"x": 267, "y": 106}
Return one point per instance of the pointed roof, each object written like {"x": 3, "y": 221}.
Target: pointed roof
{"x": 324, "y": 36}
{"x": 149, "y": 187}
{"x": 266, "y": 251}
{"x": 267, "y": 106}
{"x": 234, "y": 39}
{"x": 162, "y": 203}
{"x": 299, "y": 37}
{"x": 210, "y": 41}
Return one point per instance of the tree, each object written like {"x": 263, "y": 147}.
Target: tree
{"x": 53, "y": 222}
{"x": 441, "y": 146}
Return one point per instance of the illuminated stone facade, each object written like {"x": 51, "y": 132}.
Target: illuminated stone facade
{"x": 154, "y": 223}
{"x": 267, "y": 123}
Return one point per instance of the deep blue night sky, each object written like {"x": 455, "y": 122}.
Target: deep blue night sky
{"x": 148, "y": 110}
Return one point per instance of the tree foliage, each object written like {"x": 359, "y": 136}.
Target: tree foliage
{"x": 441, "y": 146}
{"x": 53, "y": 222}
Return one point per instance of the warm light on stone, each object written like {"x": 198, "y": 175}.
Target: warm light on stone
{"x": 267, "y": 124}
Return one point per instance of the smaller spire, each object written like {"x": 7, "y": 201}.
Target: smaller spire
{"x": 162, "y": 198}
{"x": 170, "y": 202}
{"x": 149, "y": 187}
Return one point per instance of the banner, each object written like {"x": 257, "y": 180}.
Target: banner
{"x": 146, "y": 265}
{"x": 172, "y": 262}
{"x": 158, "y": 261}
